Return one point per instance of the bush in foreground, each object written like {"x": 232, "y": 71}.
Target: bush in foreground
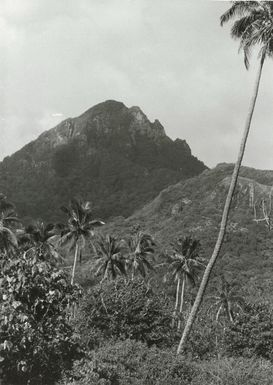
{"x": 36, "y": 340}
{"x": 130, "y": 363}
{"x": 134, "y": 363}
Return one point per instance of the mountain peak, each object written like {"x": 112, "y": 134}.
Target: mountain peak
{"x": 109, "y": 106}
{"x": 111, "y": 155}
{"x": 107, "y": 118}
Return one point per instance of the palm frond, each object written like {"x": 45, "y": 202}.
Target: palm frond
{"x": 101, "y": 268}
{"x": 96, "y": 223}
{"x": 239, "y": 8}
{"x": 247, "y": 52}
{"x": 67, "y": 240}
{"x": 243, "y": 27}
{"x": 8, "y": 239}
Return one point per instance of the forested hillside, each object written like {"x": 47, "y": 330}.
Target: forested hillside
{"x": 194, "y": 207}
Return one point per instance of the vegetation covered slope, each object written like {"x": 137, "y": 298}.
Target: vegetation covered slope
{"x": 110, "y": 155}
{"x": 194, "y": 207}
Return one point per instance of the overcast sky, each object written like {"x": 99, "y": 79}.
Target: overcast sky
{"x": 171, "y": 58}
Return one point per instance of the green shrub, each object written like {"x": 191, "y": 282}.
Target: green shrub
{"x": 203, "y": 339}
{"x": 124, "y": 309}
{"x": 36, "y": 340}
{"x": 133, "y": 363}
{"x": 234, "y": 371}
{"x": 251, "y": 334}
{"x": 130, "y": 363}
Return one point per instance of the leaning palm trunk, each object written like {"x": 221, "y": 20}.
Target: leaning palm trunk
{"x": 74, "y": 264}
{"x": 181, "y": 303}
{"x": 222, "y": 231}
{"x": 176, "y": 301}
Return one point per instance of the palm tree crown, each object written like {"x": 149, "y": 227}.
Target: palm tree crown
{"x": 110, "y": 261}
{"x": 80, "y": 223}
{"x": 185, "y": 260}
{"x": 254, "y": 26}
{"x": 226, "y": 301}
{"x": 140, "y": 248}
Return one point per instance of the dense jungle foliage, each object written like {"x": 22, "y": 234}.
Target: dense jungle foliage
{"x": 80, "y": 307}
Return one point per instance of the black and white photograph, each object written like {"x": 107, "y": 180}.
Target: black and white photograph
{"x": 136, "y": 184}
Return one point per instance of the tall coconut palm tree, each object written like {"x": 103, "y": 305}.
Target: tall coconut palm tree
{"x": 184, "y": 264}
{"x": 110, "y": 261}
{"x": 140, "y": 249}
{"x": 253, "y": 26}
{"x": 226, "y": 303}
{"x": 80, "y": 227}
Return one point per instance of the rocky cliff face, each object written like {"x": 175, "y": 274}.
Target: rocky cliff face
{"x": 105, "y": 119}
{"x": 111, "y": 155}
